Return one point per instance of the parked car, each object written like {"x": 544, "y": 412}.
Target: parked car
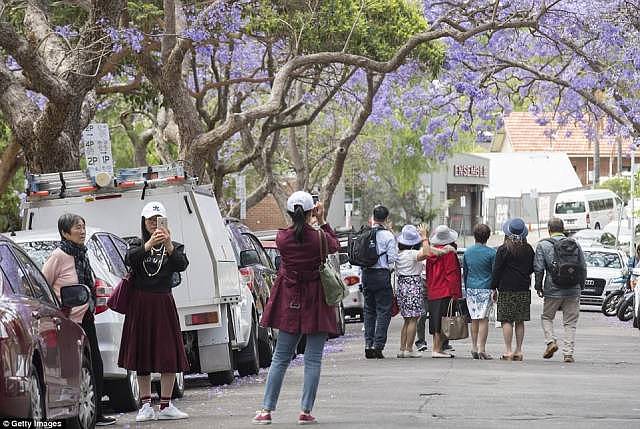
{"x": 606, "y": 271}
{"x": 106, "y": 254}
{"x": 623, "y": 232}
{"x": 594, "y": 237}
{"x": 257, "y": 274}
{"x": 45, "y": 358}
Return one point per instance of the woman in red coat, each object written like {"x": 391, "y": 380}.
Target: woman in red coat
{"x": 297, "y": 305}
{"x": 444, "y": 284}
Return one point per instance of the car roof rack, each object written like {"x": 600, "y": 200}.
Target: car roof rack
{"x": 76, "y": 183}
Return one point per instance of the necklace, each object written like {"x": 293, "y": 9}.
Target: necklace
{"x": 154, "y": 254}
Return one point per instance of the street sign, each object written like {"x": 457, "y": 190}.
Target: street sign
{"x": 97, "y": 151}
{"x": 241, "y": 194}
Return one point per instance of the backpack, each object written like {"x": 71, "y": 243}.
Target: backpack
{"x": 362, "y": 247}
{"x": 566, "y": 269}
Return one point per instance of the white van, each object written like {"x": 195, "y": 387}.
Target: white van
{"x": 211, "y": 301}
{"x": 589, "y": 209}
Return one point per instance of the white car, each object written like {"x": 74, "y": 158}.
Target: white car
{"x": 606, "y": 271}
{"x": 353, "y": 304}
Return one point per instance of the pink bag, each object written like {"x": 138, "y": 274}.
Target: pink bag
{"x": 119, "y": 299}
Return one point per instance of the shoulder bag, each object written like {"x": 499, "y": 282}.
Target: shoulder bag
{"x": 454, "y": 324}
{"x": 333, "y": 286}
{"x": 119, "y": 299}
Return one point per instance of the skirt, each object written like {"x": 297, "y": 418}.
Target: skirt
{"x": 478, "y": 303}
{"x": 409, "y": 295}
{"x": 514, "y": 306}
{"x": 151, "y": 335}
{"x": 437, "y": 309}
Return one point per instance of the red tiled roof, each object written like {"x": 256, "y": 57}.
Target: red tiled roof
{"x": 526, "y": 135}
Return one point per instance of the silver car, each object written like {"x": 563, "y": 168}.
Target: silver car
{"x": 606, "y": 271}
{"x": 106, "y": 254}
{"x": 353, "y": 303}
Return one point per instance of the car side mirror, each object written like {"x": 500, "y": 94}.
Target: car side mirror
{"x": 344, "y": 258}
{"x": 74, "y": 295}
{"x": 277, "y": 261}
{"x": 249, "y": 257}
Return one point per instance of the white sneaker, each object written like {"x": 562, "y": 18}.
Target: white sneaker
{"x": 172, "y": 413}
{"x": 413, "y": 354}
{"x": 146, "y": 413}
{"x": 401, "y": 354}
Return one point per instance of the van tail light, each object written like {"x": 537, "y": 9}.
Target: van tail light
{"x": 247, "y": 277}
{"x": 351, "y": 280}
{"x": 103, "y": 292}
{"x": 588, "y": 219}
{"x": 210, "y": 317}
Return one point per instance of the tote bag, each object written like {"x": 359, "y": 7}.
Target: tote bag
{"x": 119, "y": 299}
{"x": 334, "y": 288}
{"x": 454, "y": 324}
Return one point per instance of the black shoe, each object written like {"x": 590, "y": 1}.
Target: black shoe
{"x": 378, "y": 354}
{"x": 105, "y": 421}
{"x": 448, "y": 347}
{"x": 422, "y": 347}
{"x": 370, "y": 353}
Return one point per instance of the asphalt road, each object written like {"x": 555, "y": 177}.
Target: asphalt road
{"x": 600, "y": 390}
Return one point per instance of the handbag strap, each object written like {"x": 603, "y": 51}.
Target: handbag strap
{"x": 323, "y": 247}
{"x": 450, "y": 308}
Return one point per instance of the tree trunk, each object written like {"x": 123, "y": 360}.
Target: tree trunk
{"x": 9, "y": 164}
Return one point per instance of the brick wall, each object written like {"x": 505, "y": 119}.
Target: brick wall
{"x": 580, "y": 165}
{"x": 265, "y": 215}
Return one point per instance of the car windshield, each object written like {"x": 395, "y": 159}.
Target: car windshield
{"x": 39, "y": 251}
{"x": 569, "y": 207}
{"x": 602, "y": 259}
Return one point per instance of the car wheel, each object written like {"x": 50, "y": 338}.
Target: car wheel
{"x": 87, "y": 407}
{"x": 611, "y": 303}
{"x": 625, "y": 312}
{"x": 266, "y": 346}
{"x": 249, "y": 358}
{"x": 36, "y": 400}
{"x": 221, "y": 378}
{"x": 124, "y": 394}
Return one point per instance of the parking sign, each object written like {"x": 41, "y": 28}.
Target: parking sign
{"x": 97, "y": 148}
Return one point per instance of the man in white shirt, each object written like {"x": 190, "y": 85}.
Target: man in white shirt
{"x": 376, "y": 285}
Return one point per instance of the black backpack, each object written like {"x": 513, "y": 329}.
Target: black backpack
{"x": 362, "y": 247}
{"x": 566, "y": 269}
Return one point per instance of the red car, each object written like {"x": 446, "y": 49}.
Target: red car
{"x": 45, "y": 359}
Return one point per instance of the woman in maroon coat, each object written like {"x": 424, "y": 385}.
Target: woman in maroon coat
{"x": 297, "y": 305}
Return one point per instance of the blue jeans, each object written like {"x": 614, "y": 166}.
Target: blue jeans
{"x": 285, "y": 349}
{"x": 377, "y": 307}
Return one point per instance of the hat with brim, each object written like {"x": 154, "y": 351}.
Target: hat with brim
{"x": 302, "y": 199}
{"x": 515, "y": 227}
{"x": 409, "y": 236}
{"x": 152, "y": 209}
{"x": 443, "y": 235}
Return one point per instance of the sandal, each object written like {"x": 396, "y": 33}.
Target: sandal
{"x": 518, "y": 357}
{"x": 506, "y": 357}
{"x": 484, "y": 356}
{"x": 475, "y": 355}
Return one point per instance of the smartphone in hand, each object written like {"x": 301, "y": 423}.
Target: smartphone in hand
{"x": 162, "y": 222}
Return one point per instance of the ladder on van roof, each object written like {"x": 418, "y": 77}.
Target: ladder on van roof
{"x": 76, "y": 183}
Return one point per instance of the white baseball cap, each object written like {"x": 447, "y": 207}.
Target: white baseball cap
{"x": 152, "y": 209}
{"x": 300, "y": 198}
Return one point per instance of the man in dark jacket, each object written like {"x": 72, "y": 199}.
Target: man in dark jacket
{"x": 556, "y": 297}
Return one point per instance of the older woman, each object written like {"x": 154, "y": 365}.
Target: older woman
{"x": 512, "y": 279}
{"x": 297, "y": 304}
{"x": 478, "y": 265}
{"x": 69, "y": 265}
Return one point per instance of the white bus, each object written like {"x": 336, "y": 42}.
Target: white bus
{"x": 591, "y": 209}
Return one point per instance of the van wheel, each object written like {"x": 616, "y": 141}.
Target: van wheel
{"x": 36, "y": 396}
{"x": 597, "y": 226}
{"x": 124, "y": 394}
{"x": 221, "y": 378}
{"x": 249, "y": 358}
{"x": 87, "y": 408}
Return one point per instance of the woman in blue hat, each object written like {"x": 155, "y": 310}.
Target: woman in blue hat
{"x": 512, "y": 279}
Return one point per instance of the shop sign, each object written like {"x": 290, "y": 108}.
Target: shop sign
{"x": 470, "y": 170}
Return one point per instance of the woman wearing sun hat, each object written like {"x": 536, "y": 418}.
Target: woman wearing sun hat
{"x": 512, "y": 279}
{"x": 444, "y": 284}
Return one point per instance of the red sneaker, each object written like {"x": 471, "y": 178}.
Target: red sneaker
{"x": 306, "y": 419}
{"x": 262, "y": 418}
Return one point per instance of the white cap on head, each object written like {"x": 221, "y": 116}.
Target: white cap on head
{"x": 154, "y": 208}
{"x": 300, "y": 198}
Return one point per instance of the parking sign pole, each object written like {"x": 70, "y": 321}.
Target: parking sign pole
{"x": 632, "y": 246}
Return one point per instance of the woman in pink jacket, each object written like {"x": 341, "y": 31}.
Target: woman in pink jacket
{"x": 297, "y": 305}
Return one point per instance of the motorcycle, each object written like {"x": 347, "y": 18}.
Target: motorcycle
{"x": 612, "y": 301}
{"x": 627, "y": 306}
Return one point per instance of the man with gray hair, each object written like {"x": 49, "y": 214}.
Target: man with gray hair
{"x": 559, "y": 264}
